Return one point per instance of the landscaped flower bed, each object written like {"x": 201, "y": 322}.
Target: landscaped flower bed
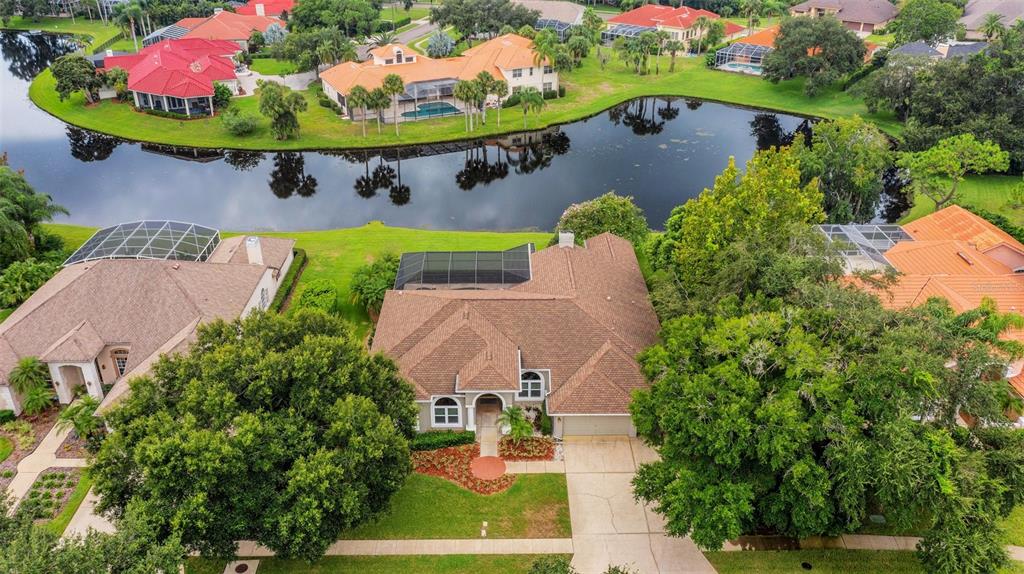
{"x": 50, "y": 493}
{"x": 452, "y": 463}
{"x": 530, "y": 448}
{"x": 25, "y": 434}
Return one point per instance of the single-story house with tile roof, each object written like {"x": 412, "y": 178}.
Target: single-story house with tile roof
{"x": 429, "y": 82}
{"x": 861, "y": 16}
{"x": 678, "y": 22}
{"x": 975, "y": 12}
{"x": 942, "y": 51}
{"x": 222, "y": 25}
{"x": 132, "y": 292}
{"x": 952, "y": 254}
{"x": 746, "y": 55}
{"x": 178, "y": 75}
{"x": 475, "y": 332}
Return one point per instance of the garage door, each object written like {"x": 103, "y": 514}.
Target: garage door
{"x": 589, "y": 426}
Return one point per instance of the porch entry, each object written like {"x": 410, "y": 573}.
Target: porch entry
{"x": 488, "y": 409}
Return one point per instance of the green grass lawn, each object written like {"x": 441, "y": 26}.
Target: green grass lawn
{"x": 821, "y": 561}
{"x": 6, "y": 448}
{"x": 590, "y": 90}
{"x": 60, "y": 523}
{"x": 989, "y": 192}
{"x": 881, "y": 39}
{"x": 458, "y": 564}
{"x": 536, "y": 506}
{"x": 124, "y": 45}
{"x": 272, "y": 66}
{"x": 1013, "y": 527}
{"x": 415, "y": 13}
{"x": 94, "y": 29}
{"x": 4, "y": 313}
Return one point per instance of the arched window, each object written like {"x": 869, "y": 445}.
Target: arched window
{"x": 447, "y": 412}
{"x": 531, "y": 385}
{"x": 120, "y": 357}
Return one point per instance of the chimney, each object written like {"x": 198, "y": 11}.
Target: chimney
{"x": 566, "y": 239}
{"x": 109, "y": 52}
{"x": 218, "y": 10}
{"x": 260, "y": 11}
{"x": 254, "y": 250}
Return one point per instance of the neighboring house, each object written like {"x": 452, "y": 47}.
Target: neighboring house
{"x": 178, "y": 75}
{"x": 476, "y": 332}
{"x": 678, "y": 22}
{"x": 132, "y": 292}
{"x": 952, "y": 254}
{"x": 429, "y": 82}
{"x": 973, "y": 19}
{"x": 746, "y": 55}
{"x": 267, "y": 8}
{"x": 222, "y": 25}
{"x": 556, "y": 15}
{"x": 861, "y": 16}
{"x": 941, "y": 51}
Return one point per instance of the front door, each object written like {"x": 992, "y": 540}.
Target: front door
{"x": 488, "y": 409}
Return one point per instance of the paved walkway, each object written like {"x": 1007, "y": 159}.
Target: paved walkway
{"x": 85, "y": 518}
{"x": 294, "y": 81}
{"x": 44, "y": 457}
{"x": 608, "y": 526}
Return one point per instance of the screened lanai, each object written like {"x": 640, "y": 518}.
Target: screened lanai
{"x": 464, "y": 269}
{"x": 560, "y": 28}
{"x": 740, "y": 57}
{"x": 163, "y": 240}
{"x": 624, "y": 31}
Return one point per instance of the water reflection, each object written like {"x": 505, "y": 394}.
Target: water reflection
{"x": 28, "y": 54}
{"x": 289, "y": 176}
{"x": 90, "y": 146}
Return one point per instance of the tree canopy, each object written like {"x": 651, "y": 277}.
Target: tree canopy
{"x": 282, "y": 106}
{"x": 22, "y": 210}
{"x": 278, "y": 429}
{"x": 608, "y": 213}
{"x": 937, "y": 172}
{"x": 821, "y": 50}
{"x": 354, "y": 17}
{"x": 73, "y": 73}
{"x": 931, "y": 21}
{"x": 475, "y": 17}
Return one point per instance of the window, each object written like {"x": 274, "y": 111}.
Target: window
{"x": 446, "y": 412}
{"x": 548, "y": 69}
{"x": 388, "y": 62}
{"x": 409, "y": 59}
{"x": 531, "y": 71}
{"x": 517, "y": 73}
{"x": 264, "y": 298}
{"x": 547, "y": 86}
{"x": 531, "y": 385}
{"x": 398, "y": 56}
{"x": 120, "y": 357}
{"x": 175, "y": 103}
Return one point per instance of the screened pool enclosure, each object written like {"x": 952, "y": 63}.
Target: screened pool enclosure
{"x": 162, "y": 240}
{"x": 743, "y": 58}
{"x": 464, "y": 269}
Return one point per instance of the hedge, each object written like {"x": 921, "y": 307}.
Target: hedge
{"x": 290, "y": 279}
{"x": 6, "y": 416}
{"x": 513, "y": 99}
{"x": 386, "y": 26}
{"x": 998, "y": 220}
{"x": 171, "y": 115}
{"x": 441, "y": 439}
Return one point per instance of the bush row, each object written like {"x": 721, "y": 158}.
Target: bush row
{"x": 385, "y": 25}
{"x": 513, "y": 100}
{"x": 290, "y": 278}
{"x": 171, "y": 115}
{"x": 441, "y": 439}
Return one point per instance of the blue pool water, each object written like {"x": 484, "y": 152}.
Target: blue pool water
{"x": 432, "y": 109}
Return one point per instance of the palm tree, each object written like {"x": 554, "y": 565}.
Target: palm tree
{"x": 992, "y": 26}
{"x": 485, "y": 87}
{"x": 360, "y": 98}
{"x": 751, "y": 9}
{"x": 79, "y": 417}
{"x": 500, "y": 89}
{"x": 382, "y": 38}
{"x": 127, "y": 15}
{"x": 36, "y": 400}
{"x": 701, "y": 24}
{"x": 463, "y": 91}
{"x": 378, "y": 101}
{"x": 530, "y": 99}
{"x": 393, "y": 85}
{"x": 514, "y": 419}
{"x": 673, "y": 46}
{"x": 660, "y": 37}
{"x": 28, "y": 374}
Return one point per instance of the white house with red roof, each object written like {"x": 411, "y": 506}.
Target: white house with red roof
{"x": 680, "y": 23}
{"x": 179, "y": 75}
{"x": 266, "y": 8}
{"x": 222, "y": 25}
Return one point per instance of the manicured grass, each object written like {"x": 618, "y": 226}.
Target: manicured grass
{"x": 590, "y": 91}
{"x": 536, "y": 506}
{"x": 124, "y": 45}
{"x": 881, "y": 39}
{"x": 414, "y": 13}
{"x": 4, "y": 313}
{"x": 821, "y": 561}
{"x": 458, "y": 564}
{"x": 336, "y": 254}
{"x": 60, "y": 522}
{"x": 272, "y": 67}
{"x": 1012, "y": 525}
{"x": 6, "y": 448}
{"x": 989, "y": 192}
{"x": 94, "y": 29}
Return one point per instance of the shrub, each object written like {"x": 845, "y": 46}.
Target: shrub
{"x": 21, "y": 278}
{"x": 550, "y": 94}
{"x": 330, "y": 104}
{"x": 237, "y": 123}
{"x": 547, "y": 426}
{"x": 511, "y": 101}
{"x": 386, "y": 26}
{"x": 434, "y": 440}
{"x": 319, "y": 294}
{"x": 529, "y": 448}
{"x": 6, "y": 416}
{"x": 288, "y": 284}
{"x": 371, "y": 282}
{"x": 552, "y": 565}
{"x": 440, "y": 45}
{"x": 609, "y": 213}
{"x": 221, "y": 96}
{"x": 171, "y": 115}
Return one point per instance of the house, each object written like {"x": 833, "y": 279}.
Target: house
{"x": 132, "y": 292}
{"x": 746, "y": 55}
{"x": 429, "y": 82}
{"x": 861, "y": 16}
{"x": 275, "y": 8}
{"x": 178, "y": 75}
{"x": 975, "y": 12}
{"x": 952, "y": 254}
{"x": 475, "y": 332}
{"x": 222, "y": 25}
{"x": 556, "y": 15}
{"x": 942, "y": 51}
{"x": 678, "y": 22}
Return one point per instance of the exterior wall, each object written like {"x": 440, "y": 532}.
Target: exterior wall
{"x": 258, "y": 300}
{"x": 108, "y": 370}
{"x": 537, "y": 79}
{"x": 285, "y": 267}
{"x": 8, "y": 401}
{"x": 90, "y": 377}
{"x": 593, "y": 425}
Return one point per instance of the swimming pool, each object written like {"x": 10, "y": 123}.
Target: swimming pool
{"x": 752, "y": 69}
{"x": 432, "y": 109}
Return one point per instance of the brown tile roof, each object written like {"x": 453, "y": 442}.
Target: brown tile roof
{"x": 584, "y": 315}
{"x": 867, "y": 11}
{"x": 232, "y": 250}
{"x": 955, "y": 222}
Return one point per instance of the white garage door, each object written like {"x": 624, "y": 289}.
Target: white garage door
{"x": 588, "y": 426}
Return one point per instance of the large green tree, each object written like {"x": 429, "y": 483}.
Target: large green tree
{"x": 74, "y": 73}
{"x": 821, "y": 50}
{"x": 608, "y": 213}
{"x": 282, "y": 106}
{"x": 354, "y": 17}
{"x": 937, "y": 172}
{"x": 278, "y": 429}
{"x": 931, "y": 21}
{"x": 474, "y": 17}
{"x": 22, "y": 211}
{"x": 848, "y": 158}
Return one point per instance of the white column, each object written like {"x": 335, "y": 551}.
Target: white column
{"x": 188, "y": 112}
{"x": 211, "y": 104}
{"x": 166, "y": 109}
{"x": 470, "y": 418}
{"x": 93, "y": 381}
{"x": 136, "y": 96}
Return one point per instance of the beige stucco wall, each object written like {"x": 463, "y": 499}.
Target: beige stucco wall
{"x": 268, "y": 282}
{"x": 108, "y": 370}
{"x": 7, "y": 400}
{"x": 584, "y": 425}
{"x": 536, "y": 79}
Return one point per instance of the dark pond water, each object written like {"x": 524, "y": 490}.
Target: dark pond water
{"x": 662, "y": 151}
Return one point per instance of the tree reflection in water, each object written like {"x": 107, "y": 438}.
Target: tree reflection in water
{"x": 668, "y": 113}
{"x": 243, "y": 160}
{"x": 289, "y": 176}
{"x": 477, "y": 168}
{"x": 399, "y": 193}
{"x": 633, "y": 114}
{"x": 30, "y": 54}
{"x": 90, "y": 146}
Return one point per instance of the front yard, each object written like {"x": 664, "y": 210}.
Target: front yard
{"x": 458, "y": 564}
{"x": 536, "y": 506}
{"x": 824, "y": 562}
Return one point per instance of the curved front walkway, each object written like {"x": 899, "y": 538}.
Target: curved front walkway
{"x": 42, "y": 458}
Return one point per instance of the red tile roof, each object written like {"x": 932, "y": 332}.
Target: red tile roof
{"x": 270, "y": 7}
{"x": 732, "y": 29}
{"x": 227, "y": 26}
{"x": 185, "y": 68}
{"x": 654, "y": 15}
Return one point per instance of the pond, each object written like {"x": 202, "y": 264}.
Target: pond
{"x": 662, "y": 151}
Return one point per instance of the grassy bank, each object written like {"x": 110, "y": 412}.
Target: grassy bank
{"x": 94, "y": 30}
{"x": 590, "y": 90}
{"x": 989, "y": 192}
{"x": 457, "y": 564}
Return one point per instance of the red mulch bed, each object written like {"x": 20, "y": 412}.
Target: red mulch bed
{"x": 532, "y": 448}
{"x": 453, "y": 463}
{"x": 72, "y": 447}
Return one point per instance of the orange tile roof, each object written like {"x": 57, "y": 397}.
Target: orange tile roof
{"x": 955, "y": 222}
{"x": 943, "y": 258}
{"x": 764, "y": 38}
{"x": 227, "y": 26}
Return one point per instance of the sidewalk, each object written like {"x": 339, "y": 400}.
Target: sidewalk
{"x": 44, "y": 457}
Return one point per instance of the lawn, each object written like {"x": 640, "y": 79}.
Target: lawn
{"x": 458, "y": 564}
{"x": 414, "y": 13}
{"x": 6, "y": 448}
{"x": 989, "y": 192}
{"x": 94, "y": 29}
{"x": 1012, "y": 525}
{"x": 124, "y": 45}
{"x": 336, "y": 254}
{"x": 821, "y": 561}
{"x": 536, "y": 506}
{"x": 272, "y": 67}
{"x": 590, "y": 91}
{"x": 4, "y": 313}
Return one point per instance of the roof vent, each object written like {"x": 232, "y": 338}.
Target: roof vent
{"x": 566, "y": 239}
{"x": 965, "y": 257}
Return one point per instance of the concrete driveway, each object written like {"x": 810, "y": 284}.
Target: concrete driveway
{"x": 608, "y": 526}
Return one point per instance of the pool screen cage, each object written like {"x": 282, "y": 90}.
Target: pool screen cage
{"x": 161, "y": 240}
{"x": 741, "y": 53}
{"x": 464, "y": 269}
{"x": 864, "y": 241}
{"x": 560, "y": 28}
{"x": 624, "y": 31}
